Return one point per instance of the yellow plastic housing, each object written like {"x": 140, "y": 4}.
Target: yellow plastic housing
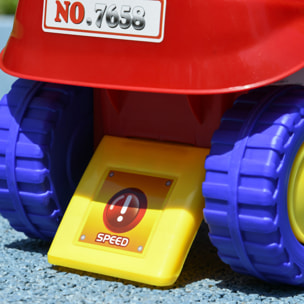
{"x": 153, "y": 248}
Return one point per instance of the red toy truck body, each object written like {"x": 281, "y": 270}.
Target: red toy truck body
{"x": 168, "y": 70}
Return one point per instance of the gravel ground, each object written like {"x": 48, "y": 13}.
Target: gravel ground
{"x": 26, "y": 276}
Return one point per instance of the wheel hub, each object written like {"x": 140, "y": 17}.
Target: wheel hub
{"x": 296, "y": 196}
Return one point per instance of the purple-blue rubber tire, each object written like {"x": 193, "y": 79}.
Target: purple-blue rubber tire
{"x": 46, "y": 141}
{"x": 246, "y": 184}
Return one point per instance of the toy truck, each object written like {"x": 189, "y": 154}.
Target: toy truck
{"x": 158, "y": 83}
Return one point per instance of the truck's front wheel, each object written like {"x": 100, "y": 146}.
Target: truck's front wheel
{"x": 45, "y": 143}
{"x": 254, "y": 185}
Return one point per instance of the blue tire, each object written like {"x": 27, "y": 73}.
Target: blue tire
{"x": 246, "y": 186}
{"x": 46, "y": 141}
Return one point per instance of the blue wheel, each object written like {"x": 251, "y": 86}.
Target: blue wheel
{"x": 46, "y": 141}
{"x": 254, "y": 185}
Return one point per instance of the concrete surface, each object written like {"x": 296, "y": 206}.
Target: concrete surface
{"x": 6, "y": 23}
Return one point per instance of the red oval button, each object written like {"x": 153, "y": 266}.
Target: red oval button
{"x": 125, "y": 210}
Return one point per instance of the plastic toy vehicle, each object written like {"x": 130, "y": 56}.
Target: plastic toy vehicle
{"x": 167, "y": 71}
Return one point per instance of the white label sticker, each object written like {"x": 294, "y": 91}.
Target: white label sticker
{"x": 140, "y": 20}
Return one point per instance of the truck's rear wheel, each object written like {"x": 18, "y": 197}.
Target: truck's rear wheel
{"x": 45, "y": 143}
{"x": 253, "y": 185}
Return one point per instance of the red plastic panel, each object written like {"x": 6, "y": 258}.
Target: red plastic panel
{"x": 189, "y": 119}
{"x": 208, "y": 47}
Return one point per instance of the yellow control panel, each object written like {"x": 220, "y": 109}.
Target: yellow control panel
{"x": 135, "y": 211}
